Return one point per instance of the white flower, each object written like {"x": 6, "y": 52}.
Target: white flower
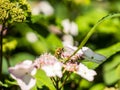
{"x": 86, "y": 73}
{"x": 23, "y": 74}
{"x": 53, "y": 70}
{"x": 43, "y": 7}
{"x": 70, "y": 27}
{"x": 49, "y": 64}
{"x": 31, "y": 37}
{"x": 68, "y": 40}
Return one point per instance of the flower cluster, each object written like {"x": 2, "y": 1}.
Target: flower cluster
{"x": 13, "y": 10}
{"x": 54, "y": 66}
{"x": 49, "y": 64}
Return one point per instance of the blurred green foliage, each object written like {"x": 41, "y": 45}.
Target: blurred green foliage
{"x": 31, "y": 38}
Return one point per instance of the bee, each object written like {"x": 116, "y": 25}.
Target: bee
{"x": 58, "y": 52}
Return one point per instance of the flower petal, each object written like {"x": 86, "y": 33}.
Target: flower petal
{"x": 86, "y": 73}
{"x": 27, "y": 82}
{"x": 23, "y": 74}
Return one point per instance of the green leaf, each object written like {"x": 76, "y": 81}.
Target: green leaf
{"x": 111, "y": 70}
{"x": 84, "y": 84}
{"x": 44, "y": 80}
{"x": 8, "y": 83}
{"x": 112, "y": 64}
{"x": 11, "y": 82}
{"x": 118, "y": 71}
{"x": 110, "y": 77}
{"x": 91, "y": 65}
{"x": 108, "y": 52}
{"x": 99, "y": 86}
{"x": 4, "y": 85}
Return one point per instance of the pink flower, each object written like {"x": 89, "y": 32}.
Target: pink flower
{"x": 71, "y": 67}
{"x": 49, "y": 64}
{"x": 86, "y": 73}
{"x": 23, "y": 74}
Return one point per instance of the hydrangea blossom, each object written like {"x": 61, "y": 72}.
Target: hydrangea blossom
{"x": 86, "y": 73}
{"x": 49, "y": 64}
{"x": 23, "y": 74}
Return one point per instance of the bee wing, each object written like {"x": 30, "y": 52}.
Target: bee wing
{"x": 88, "y": 54}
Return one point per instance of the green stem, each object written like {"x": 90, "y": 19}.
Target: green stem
{"x": 1, "y": 54}
{"x": 93, "y": 30}
{"x": 68, "y": 75}
{"x": 118, "y": 84}
{"x": 7, "y": 59}
{"x": 54, "y": 81}
{"x": 57, "y": 83}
